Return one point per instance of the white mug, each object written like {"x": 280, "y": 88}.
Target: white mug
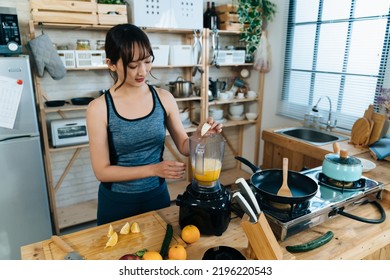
{"x": 230, "y": 94}
{"x": 240, "y": 95}
{"x": 224, "y": 96}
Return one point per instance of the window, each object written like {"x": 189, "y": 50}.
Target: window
{"x": 338, "y": 49}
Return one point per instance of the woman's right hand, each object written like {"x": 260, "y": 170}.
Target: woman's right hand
{"x": 170, "y": 169}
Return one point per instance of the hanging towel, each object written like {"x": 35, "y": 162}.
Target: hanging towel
{"x": 46, "y": 57}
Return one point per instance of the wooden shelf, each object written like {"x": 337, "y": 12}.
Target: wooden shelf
{"x": 66, "y": 107}
{"x": 233, "y": 65}
{"x": 235, "y": 100}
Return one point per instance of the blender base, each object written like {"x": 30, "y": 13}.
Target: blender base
{"x": 208, "y": 209}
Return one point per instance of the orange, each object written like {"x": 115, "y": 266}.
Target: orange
{"x": 177, "y": 252}
{"x": 190, "y": 234}
{"x": 152, "y": 255}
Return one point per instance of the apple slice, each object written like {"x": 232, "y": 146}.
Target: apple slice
{"x": 205, "y": 128}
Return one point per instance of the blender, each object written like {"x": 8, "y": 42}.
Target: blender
{"x": 205, "y": 203}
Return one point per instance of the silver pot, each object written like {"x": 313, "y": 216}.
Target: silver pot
{"x": 181, "y": 88}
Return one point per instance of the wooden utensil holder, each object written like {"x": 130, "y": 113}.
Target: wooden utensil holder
{"x": 262, "y": 244}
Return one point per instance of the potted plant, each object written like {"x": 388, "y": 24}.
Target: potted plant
{"x": 252, "y": 14}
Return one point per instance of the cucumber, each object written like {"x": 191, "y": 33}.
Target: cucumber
{"x": 167, "y": 241}
{"x": 318, "y": 242}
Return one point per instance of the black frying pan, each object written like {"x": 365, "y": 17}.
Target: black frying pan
{"x": 81, "y": 100}
{"x": 268, "y": 182}
{"x": 55, "y": 103}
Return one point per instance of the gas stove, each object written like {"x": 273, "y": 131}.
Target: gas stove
{"x": 330, "y": 201}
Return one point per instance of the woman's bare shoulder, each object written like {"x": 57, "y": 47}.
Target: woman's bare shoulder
{"x": 97, "y": 105}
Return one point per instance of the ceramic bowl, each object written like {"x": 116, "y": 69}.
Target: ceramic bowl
{"x": 236, "y": 109}
{"x": 184, "y": 115}
{"x": 216, "y": 114}
{"x": 251, "y": 116}
{"x": 251, "y": 94}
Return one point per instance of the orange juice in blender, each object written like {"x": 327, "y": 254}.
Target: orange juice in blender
{"x": 211, "y": 171}
{"x": 206, "y": 154}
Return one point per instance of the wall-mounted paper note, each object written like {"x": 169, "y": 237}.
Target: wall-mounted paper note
{"x": 10, "y": 94}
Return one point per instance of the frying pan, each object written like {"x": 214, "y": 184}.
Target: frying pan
{"x": 268, "y": 182}
{"x": 55, "y": 103}
{"x": 81, "y": 100}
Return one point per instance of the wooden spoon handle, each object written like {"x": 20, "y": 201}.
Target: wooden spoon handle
{"x": 336, "y": 148}
{"x": 285, "y": 171}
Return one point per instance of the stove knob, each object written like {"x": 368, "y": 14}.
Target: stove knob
{"x": 12, "y": 46}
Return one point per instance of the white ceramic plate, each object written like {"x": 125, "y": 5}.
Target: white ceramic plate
{"x": 367, "y": 164}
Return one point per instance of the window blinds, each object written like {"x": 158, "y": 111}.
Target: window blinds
{"x": 338, "y": 49}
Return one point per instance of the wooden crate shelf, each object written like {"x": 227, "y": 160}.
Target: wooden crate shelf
{"x": 83, "y": 12}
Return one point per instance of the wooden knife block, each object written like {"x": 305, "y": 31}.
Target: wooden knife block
{"x": 262, "y": 243}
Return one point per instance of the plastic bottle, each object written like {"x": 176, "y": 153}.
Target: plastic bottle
{"x": 214, "y": 22}
{"x": 207, "y": 16}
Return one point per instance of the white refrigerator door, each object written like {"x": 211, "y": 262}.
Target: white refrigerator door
{"x": 24, "y": 208}
{"x": 18, "y": 68}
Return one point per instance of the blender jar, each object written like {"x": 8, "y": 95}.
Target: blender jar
{"x": 206, "y": 155}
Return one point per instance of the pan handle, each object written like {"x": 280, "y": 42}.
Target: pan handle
{"x": 248, "y": 163}
{"x": 365, "y": 220}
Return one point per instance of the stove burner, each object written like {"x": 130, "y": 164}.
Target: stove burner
{"x": 341, "y": 185}
{"x": 284, "y": 212}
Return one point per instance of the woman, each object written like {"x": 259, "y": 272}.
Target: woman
{"x": 127, "y": 127}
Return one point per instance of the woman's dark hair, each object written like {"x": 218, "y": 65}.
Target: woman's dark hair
{"x": 120, "y": 43}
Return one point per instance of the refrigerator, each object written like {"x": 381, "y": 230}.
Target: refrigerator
{"x": 24, "y": 204}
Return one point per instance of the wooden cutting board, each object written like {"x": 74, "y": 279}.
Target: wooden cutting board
{"x": 361, "y": 131}
{"x": 379, "y": 123}
{"x": 90, "y": 243}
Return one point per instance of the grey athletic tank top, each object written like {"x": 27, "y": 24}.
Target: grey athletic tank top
{"x": 136, "y": 142}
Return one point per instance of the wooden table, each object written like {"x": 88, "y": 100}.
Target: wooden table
{"x": 352, "y": 239}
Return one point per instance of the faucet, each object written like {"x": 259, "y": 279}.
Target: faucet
{"x": 329, "y": 125}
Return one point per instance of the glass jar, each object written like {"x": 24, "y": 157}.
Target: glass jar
{"x": 83, "y": 45}
{"x": 100, "y": 45}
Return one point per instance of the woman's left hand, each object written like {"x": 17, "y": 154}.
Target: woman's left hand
{"x": 215, "y": 127}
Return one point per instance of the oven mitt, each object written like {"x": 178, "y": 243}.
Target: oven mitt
{"x": 381, "y": 149}
{"x": 45, "y": 56}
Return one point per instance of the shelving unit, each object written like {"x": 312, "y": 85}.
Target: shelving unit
{"x": 85, "y": 211}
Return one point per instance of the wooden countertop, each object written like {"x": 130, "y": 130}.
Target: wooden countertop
{"x": 352, "y": 239}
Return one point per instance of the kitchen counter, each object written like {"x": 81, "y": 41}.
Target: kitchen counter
{"x": 352, "y": 239}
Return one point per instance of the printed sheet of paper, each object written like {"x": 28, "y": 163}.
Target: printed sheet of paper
{"x": 10, "y": 94}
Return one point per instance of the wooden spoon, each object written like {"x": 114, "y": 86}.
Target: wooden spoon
{"x": 284, "y": 189}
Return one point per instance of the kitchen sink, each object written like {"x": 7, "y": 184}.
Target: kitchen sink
{"x": 312, "y": 136}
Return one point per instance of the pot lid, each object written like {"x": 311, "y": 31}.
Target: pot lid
{"x": 343, "y": 158}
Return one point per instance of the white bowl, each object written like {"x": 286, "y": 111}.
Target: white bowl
{"x": 251, "y": 116}
{"x": 184, "y": 115}
{"x": 251, "y": 94}
{"x": 236, "y": 109}
{"x": 216, "y": 114}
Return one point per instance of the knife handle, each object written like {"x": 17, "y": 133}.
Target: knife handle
{"x": 62, "y": 244}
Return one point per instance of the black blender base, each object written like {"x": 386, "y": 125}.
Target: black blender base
{"x": 208, "y": 209}
{"x": 207, "y": 222}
